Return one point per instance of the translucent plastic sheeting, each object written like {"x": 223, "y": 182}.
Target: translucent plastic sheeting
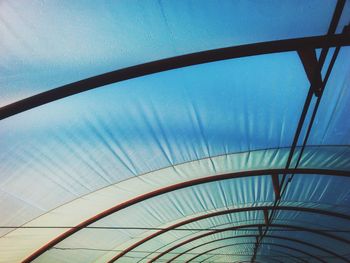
{"x": 75, "y": 146}
{"x": 329, "y": 244}
{"x": 67, "y": 161}
{"x": 19, "y": 242}
{"x": 320, "y": 190}
{"x": 46, "y": 44}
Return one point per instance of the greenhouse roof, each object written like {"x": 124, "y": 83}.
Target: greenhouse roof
{"x": 175, "y": 131}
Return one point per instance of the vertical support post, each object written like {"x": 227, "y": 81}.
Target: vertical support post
{"x": 312, "y": 69}
{"x": 276, "y": 186}
{"x": 266, "y": 217}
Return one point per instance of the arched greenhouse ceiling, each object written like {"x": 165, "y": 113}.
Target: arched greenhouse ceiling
{"x": 175, "y": 131}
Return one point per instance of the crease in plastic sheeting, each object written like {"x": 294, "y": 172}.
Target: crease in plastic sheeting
{"x": 338, "y": 104}
{"x": 197, "y": 122}
{"x": 149, "y": 119}
{"x": 34, "y": 160}
{"x": 56, "y": 168}
{"x": 337, "y": 154}
{"x": 319, "y": 190}
{"x": 85, "y": 158}
{"x": 103, "y": 134}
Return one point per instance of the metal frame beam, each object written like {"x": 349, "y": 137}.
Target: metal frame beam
{"x": 140, "y": 70}
{"x": 175, "y": 187}
{"x": 276, "y": 186}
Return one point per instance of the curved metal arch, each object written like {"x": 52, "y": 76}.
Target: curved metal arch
{"x": 268, "y": 236}
{"x": 265, "y": 243}
{"x": 224, "y": 212}
{"x": 140, "y": 70}
{"x": 249, "y": 226}
{"x": 175, "y": 187}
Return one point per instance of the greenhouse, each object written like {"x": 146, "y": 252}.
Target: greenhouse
{"x": 175, "y": 131}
